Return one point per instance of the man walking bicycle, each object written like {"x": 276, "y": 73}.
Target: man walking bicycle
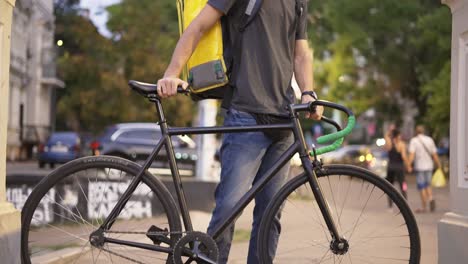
{"x": 274, "y": 47}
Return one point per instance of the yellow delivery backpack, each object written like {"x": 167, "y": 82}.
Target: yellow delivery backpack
{"x": 209, "y": 67}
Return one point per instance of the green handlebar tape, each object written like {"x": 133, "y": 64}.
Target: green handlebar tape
{"x": 329, "y": 148}
{"x": 340, "y": 134}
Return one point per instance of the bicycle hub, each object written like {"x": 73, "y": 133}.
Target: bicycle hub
{"x": 339, "y": 247}
{"x": 97, "y": 238}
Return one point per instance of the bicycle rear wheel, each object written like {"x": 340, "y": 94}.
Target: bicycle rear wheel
{"x": 359, "y": 206}
{"x": 72, "y": 202}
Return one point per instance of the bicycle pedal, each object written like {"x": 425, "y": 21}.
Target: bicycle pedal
{"x": 157, "y": 239}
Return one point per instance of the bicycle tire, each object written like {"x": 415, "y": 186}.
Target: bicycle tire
{"x": 71, "y": 174}
{"x": 361, "y": 181}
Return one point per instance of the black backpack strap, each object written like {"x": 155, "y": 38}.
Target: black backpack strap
{"x": 300, "y": 6}
{"x": 251, "y": 12}
{"x": 232, "y": 56}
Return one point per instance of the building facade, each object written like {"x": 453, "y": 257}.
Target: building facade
{"x": 33, "y": 79}
{"x": 10, "y": 218}
{"x": 453, "y": 227}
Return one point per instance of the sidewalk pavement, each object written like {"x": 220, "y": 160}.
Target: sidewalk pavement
{"x": 30, "y": 168}
{"x": 427, "y": 222}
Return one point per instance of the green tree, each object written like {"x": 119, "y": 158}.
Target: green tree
{"x": 96, "y": 69}
{"x": 434, "y": 45}
{"x": 369, "y": 51}
{"x": 89, "y": 100}
{"x": 145, "y": 34}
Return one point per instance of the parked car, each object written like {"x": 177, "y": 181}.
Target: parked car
{"x": 371, "y": 158}
{"x": 60, "y": 147}
{"x": 136, "y": 141}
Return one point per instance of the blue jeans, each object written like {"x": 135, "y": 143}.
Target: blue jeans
{"x": 245, "y": 157}
{"x": 423, "y": 179}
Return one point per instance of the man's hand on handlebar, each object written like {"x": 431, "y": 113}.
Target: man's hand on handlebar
{"x": 167, "y": 86}
{"x": 318, "y": 110}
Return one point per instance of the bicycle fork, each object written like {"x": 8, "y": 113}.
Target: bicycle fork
{"x": 338, "y": 244}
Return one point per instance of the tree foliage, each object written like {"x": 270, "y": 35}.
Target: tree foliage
{"x": 145, "y": 33}
{"x": 89, "y": 100}
{"x": 374, "y": 53}
{"x": 369, "y": 54}
{"x": 96, "y": 69}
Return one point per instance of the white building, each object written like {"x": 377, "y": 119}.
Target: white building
{"x": 453, "y": 227}
{"x": 33, "y": 77}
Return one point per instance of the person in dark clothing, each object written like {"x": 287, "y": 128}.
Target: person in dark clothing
{"x": 274, "y": 48}
{"x": 397, "y": 160}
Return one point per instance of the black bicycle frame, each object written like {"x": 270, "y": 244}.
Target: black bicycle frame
{"x": 299, "y": 146}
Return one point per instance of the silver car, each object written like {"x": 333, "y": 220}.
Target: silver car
{"x": 136, "y": 141}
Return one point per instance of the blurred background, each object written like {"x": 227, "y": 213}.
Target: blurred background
{"x": 70, "y": 62}
{"x": 389, "y": 61}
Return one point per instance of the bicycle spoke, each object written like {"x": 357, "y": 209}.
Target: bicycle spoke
{"x": 334, "y": 202}
{"x": 291, "y": 202}
{"x": 324, "y": 255}
{"x": 364, "y": 259}
{"x": 81, "y": 252}
{"x": 68, "y": 210}
{"x": 301, "y": 248}
{"x": 73, "y": 214}
{"x": 97, "y": 258}
{"x": 102, "y": 198}
{"x": 319, "y": 217}
{"x": 96, "y": 181}
{"x": 44, "y": 249}
{"x": 92, "y": 253}
{"x": 71, "y": 206}
{"x": 349, "y": 257}
{"x": 358, "y": 206}
{"x": 59, "y": 229}
{"x": 381, "y": 234}
{"x": 382, "y": 258}
{"x": 345, "y": 199}
{"x": 362, "y": 211}
{"x": 364, "y": 220}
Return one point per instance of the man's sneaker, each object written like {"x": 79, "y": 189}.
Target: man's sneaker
{"x": 432, "y": 205}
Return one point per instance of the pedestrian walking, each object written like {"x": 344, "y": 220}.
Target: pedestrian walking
{"x": 423, "y": 152}
{"x": 397, "y": 160}
{"x": 267, "y": 54}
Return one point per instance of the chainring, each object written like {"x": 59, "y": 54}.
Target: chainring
{"x": 195, "y": 247}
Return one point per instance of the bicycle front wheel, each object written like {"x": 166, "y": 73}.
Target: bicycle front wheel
{"x": 359, "y": 205}
{"x": 71, "y": 203}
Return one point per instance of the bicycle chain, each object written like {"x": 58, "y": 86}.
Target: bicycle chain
{"x": 136, "y": 233}
{"x": 146, "y": 233}
{"x": 122, "y": 256}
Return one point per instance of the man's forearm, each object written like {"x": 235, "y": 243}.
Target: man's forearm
{"x": 436, "y": 160}
{"x": 190, "y": 38}
{"x": 184, "y": 49}
{"x": 303, "y": 70}
{"x": 411, "y": 158}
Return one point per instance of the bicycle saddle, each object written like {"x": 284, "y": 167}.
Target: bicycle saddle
{"x": 143, "y": 88}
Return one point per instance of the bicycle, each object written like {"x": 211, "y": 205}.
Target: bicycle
{"x": 85, "y": 210}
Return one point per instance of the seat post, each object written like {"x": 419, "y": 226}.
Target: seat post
{"x": 159, "y": 109}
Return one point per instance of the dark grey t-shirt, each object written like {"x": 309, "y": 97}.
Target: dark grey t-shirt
{"x": 263, "y": 82}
